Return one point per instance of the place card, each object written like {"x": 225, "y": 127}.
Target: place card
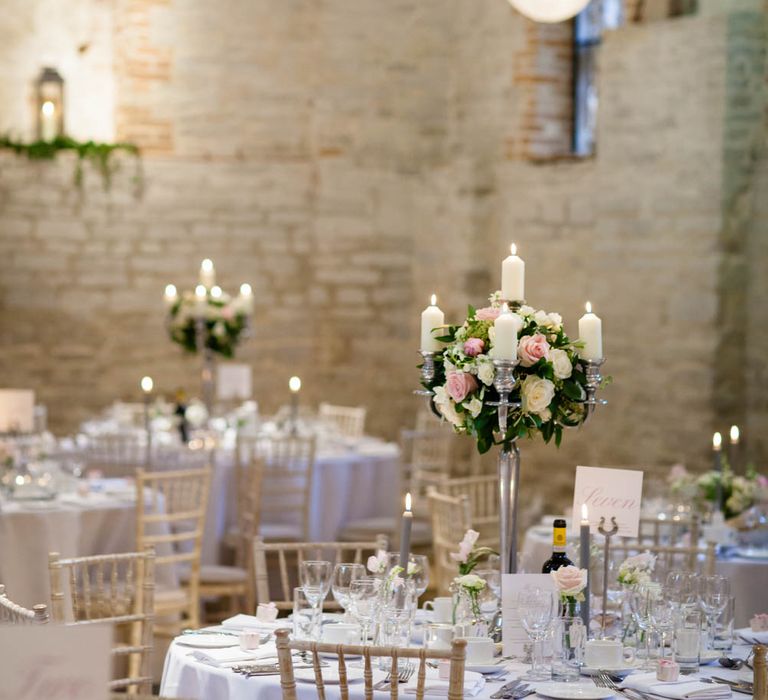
{"x": 55, "y": 662}
{"x": 608, "y": 493}
{"x": 17, "y": 410}
{"x": 233, "y": 382}
{"x": 512, "y": 634}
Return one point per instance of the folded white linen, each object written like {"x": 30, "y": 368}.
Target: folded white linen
{"x": 683, "y": 689}
{"x": 747, "y": 633}
{"x": 433, "y": 685}
{"x": 234, "y": 655}
{"x": 248, "y": 622}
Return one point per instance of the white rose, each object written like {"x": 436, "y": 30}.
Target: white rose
{"x": 561, "y": 363}
{"x": 555, "y": 321}
{"x": 474, "y": 407}
{"x": 526, "y": 310}
{"x": 541, "y": 317}
{"x": 471, "y": 581}
{"x": 536, "y": 393}
{"x": 446, "y": 407}
{"x": 486, "y": 372}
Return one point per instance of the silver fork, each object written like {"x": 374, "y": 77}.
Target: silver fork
{"x": 604, "y": 680}
{"x": 404, "y": 674}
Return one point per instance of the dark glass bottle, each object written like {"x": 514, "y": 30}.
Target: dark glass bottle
{"x": 558, "y": 557}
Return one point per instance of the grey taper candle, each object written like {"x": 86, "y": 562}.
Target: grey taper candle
{"x": 405, "y": 535}
{"x": 584, "y": 545}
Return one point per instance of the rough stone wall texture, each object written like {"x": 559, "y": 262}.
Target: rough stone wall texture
{"x": 349, "y": 158}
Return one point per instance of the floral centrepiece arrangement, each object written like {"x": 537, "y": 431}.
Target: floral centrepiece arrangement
{"x": 550, "y": 380}
{"x": 637, "y": 569}
{"x": 739, "y": 493}
{"x": 224, "y": 318}
{"x": 570, "y": 582}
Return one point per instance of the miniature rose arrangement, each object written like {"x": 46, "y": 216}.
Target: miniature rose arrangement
{"x": 637, "y": 569}
{"x": 570, "y": 582}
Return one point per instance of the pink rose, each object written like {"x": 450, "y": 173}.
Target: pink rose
{"x": 570, "y": 580}
{"x": 466, "y": 546}
{"x": 459, "y": 384}
{"x": 473, "y": 347}
{"x": 487, "y": 314}
{"x": 532, "y": 348}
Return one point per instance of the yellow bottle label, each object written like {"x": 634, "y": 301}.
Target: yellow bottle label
{"x": 559, "y": 537}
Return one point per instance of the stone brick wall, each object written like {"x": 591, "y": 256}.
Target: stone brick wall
{"x": 348, "y": 159}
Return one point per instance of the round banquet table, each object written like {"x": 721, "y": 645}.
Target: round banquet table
{"x": 351, "y": 481}
{"x": 748, "y": 577}
{"x": 186, "y": 677}
{"x": 74, "y": 526}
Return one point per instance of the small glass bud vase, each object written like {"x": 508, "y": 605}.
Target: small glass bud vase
{"x": 468, "y": 620}
{"x": 568, "y": 644}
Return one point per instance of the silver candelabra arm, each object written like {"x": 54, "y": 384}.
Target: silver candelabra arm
{"x": 594, "y": 379}
{"x": 427, "y": 374}
{"x": 504, "y": 382}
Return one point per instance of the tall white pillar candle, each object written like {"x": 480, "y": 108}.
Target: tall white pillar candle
{"x": 505, "y": 327}
{"x": 207, "y": 273}
{"x": 171, "y": 296}
{"x": 431, "y": 318}
{"x": 591, "y": 334}
{"x": 246, "y": 298}
{"x": 201, "y": 300}
{"x": 513, "y": 277}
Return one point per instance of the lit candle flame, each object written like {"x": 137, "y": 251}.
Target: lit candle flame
{"x": 216, "y": 291}
{"x": 717, "y": 442}
{"x": 206, "y": 265}
{"x": 294, "y": 384}
{"x": 513, "y": 249}
{"x": 408, "y": 501}
{"x": 433, "y": 299}
{"x": 170, "y": 290}
{"x": 588, "y": 307}
{"x": 245, "y": 289}
{"x": 147, "y": 384}
{"x": 48, "y": 108}
{"x": 584, "y": 513}
{"x": 734, "y": 435}
{"x": 200, "y": 291}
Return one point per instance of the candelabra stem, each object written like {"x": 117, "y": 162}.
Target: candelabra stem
{"x": 148, "y": 431}
{"x": 294, "y": 413}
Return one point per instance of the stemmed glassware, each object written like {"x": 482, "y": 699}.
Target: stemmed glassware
{"x": 714, "y": 592}
{"x": 341, "y": 580}
{"x": 315, "y": 579}
{"x": 364, "y": 603}
{"x": 488, "y": 598}
{"x": 680, "y": 587}
{"x": 537, "y": 608}
{"x": 640, "y": 604}
{"x": 662, "y": 617}
{"x": 418, "y": 565}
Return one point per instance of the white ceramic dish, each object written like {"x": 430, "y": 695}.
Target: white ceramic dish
{"x": 208, "y": 641}
{"x": 485, "y": 669}
{"x": 330, "y": 675}
{"x": 573, "y": 691}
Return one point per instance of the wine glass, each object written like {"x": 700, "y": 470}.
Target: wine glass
{"x": 714, "y": 592}
{"x": 662, "y": 617}
{"x": 680, "y": 587}
{"x": 315, "y": 579}
{"x": 418, "y": 565}
{"x": 640, "y": 603}
{"x": 488, "y": 598}
{"x": 537, "y": 607}
{"x": 363, "y": 598}
{"x": 341, "y": 579}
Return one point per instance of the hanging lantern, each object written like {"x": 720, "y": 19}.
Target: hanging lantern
{"x": 50, "y": 105}
{"x": 549, "y": 10}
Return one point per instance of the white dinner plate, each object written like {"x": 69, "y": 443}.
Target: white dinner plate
{"x": 623, "y": 670}
{"x": 573, "y": 691}
{"x": 751, "y": 552}
{"x": 330, "y": 675}
{"x": 208, "y": 641}
{"x": 485, "y": 668}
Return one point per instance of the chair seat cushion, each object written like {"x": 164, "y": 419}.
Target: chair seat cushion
{"x": 281, "y": 532}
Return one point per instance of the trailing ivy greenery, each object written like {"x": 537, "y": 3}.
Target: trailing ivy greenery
{"x": 98, "y": 154}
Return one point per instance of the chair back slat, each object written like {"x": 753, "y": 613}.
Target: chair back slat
{"x": 348, "y": 421}
{"x": 456, "y": 655}
{"x": 483, "y": 494}
{"x": 127, "y": 602}
{"x": 297, "y": 552}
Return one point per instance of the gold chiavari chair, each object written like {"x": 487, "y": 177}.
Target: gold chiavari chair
{"x": 483, "y": 494}
{"x": 456, "y": 655}
{"x": 692, "y": 558}
{"x": 451, "y": 518}
{"x": 170, "y": 516}
{"x": 14, "y": 614}
{"x": 349, "y": 421}
{"x": 669, "y": 530}
{"x": 293, "y": 553}
{"x": 116, "y": 454}
{"x": 116, "y": 588}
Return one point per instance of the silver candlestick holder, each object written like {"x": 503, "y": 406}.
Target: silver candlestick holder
{"x": 594, "y": 380}
{"x": 427, "y": 374}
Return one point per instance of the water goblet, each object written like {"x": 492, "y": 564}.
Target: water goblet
{"x": 315, "y": 579}
{"x": 714, "y": 592}
{"x": 364, "y": 599}
{"x": 418, "y": 572}
{"x": 662, "y": 618}
{"x": 489, "y": 597}
{"x": 341, "y": 579}
{"x": 640, "y": 600}
{"x": 537, "y": 608}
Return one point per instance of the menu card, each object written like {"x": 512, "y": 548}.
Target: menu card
{"x": 55, "y": 662}
{"x": 512, "y": 634}
{"x": 608, "y": 493}
{"x": 233, "y": 381}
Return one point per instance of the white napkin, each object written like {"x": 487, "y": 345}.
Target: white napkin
{"x": 248, "y": 622}
{"x": 746, "y": 632}
{"x": 233, "y": 655}
{"x": 473, "y": 683}
{"x": 684, "y": 689}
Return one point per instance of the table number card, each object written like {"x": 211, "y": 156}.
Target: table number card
{"x": 55, "y": 662}
{"x": 608, "y": 493}
{"x": 512, "y": 634}
{"x": 233, "y": 381}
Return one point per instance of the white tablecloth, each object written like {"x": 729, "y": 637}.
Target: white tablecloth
{"x": 359, "y": 481}
{"x": 73, "y": 526}
{"x": 184, "y": 677}
{"x": 748, "y": 578}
